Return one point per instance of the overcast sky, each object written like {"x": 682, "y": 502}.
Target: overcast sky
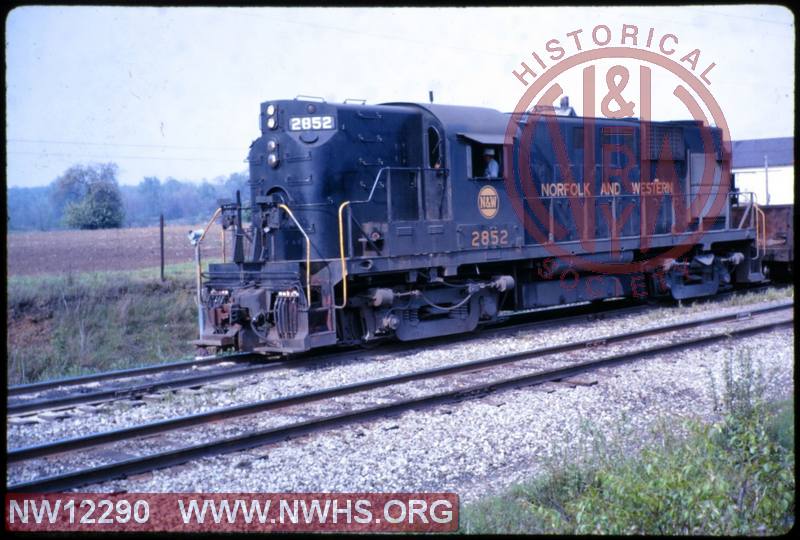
{"x": 176, "y": 91}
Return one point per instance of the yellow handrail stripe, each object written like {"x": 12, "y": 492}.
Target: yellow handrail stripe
{"x": 341, "y": 255}
{"x": 308, "y": 252}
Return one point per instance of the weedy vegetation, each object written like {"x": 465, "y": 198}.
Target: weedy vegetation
{"x": 772, "y": 294}
{"x": 71, "y": 324}
{"x": 731, "y": 477}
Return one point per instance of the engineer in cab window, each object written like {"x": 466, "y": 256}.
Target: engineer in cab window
{"x": 492, "y": 169}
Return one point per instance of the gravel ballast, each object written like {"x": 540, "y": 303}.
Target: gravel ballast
{"x": 473, "y": 447}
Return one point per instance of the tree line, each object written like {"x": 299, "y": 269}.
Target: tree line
{"x": 90, "y": 197}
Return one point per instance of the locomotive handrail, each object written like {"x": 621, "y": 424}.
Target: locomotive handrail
{"x": 199, "y": 241}
{"x": 761, "y": 230}
{"x": 298, "y": 96}
{"x": 345, "y": 204}
{"x": 210, "y": 223}
{"x": 752, "y": 217}
{"x": 381, "y": 171}
{"x": 757, "y": 219}
{"x": 308, "y": 251}
{"x": 374, "y": 185}
{"x": 618, "y": 195}
{"x": 200, "y": 318}
{"x": 342, "y": 257}
{"x": 746, "y": 213}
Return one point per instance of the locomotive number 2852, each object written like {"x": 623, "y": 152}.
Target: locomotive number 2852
{"x": 304, "y": 123}
{"x": 492, "y": 237}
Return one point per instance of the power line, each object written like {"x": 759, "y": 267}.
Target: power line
{"x": 46, "y": 154}
{"x": 741, "y": 17}
{"x": 440, "y": 45}
{"x": 88, "y": 143}
{"x": 433, "y": 45}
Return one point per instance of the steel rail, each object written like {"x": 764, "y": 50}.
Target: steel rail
{"x": 539, "y": 319}
{"x": 66, "y": 445}
{"x": 241, "y": 357}
{"x": 250, "y": 440}
{"x": 101, "y": 396}
{"x": 162, "y": 426}
{"x": 124, "y": 373}
{"x": 304, "y": 360}
{"x": 167, "y": 458}
{"x": 545, "y": 317}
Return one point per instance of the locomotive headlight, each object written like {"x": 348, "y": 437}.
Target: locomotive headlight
{"x": 272, "y": 123}
{"x": 270, "y": 110}
{"x": 272, "y": 145}
{"x": 272, "y": 159}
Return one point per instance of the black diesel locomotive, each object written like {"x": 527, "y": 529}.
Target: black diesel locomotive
{"x": 373, "y": 222}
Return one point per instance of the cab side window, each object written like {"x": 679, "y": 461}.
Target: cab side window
{"x": 434, "y": 149}
{"x": 484, "y": 161}
{"x": 436, "y": 193}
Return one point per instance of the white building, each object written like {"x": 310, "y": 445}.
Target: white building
{"x": 761, "y": 164}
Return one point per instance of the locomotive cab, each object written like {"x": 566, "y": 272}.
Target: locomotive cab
{"x": 389, "y": 163}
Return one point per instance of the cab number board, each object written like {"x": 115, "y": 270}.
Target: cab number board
{"x": 488, "y": 238}
{"x": 308, "y": 123}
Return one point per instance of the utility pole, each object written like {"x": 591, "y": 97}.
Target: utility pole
{"x": 766, "y": 175}
{"x": 161, "y": 231}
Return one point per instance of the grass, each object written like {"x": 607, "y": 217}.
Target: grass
{"x": 77, "y": 323}
{"x": 769, "y": 295}
{"x": 743, "y": 299}
{"x": 41, "y": 286}
{"x": 732, "y": 477}
{"x": 781, "y": 429}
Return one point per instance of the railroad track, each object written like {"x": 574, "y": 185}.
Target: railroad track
{"x": 249, "y": 440}
{"x": 21, "y": 389}
{"x": 22, "y": 403}
{"x": 254, "y": 364}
